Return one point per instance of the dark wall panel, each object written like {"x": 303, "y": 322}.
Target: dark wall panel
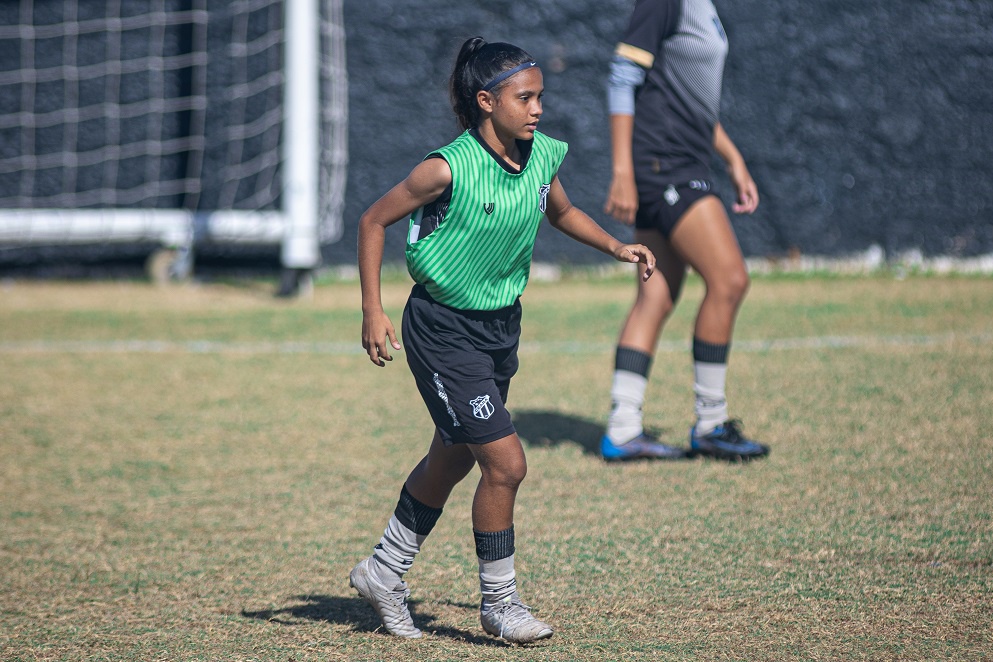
{"x": 863, "y": 123}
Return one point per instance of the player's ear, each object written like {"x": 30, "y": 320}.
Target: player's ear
{"x": 485, "y": 101}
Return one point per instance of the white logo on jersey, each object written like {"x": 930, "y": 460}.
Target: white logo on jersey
{"x": 543, "y": 201}
{"x": 444, "y": 396}
{"x": 482, "y": 407}
{"x": 671, "y": 196}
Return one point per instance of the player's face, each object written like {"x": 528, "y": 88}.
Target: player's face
{"x": 518, "y": 105}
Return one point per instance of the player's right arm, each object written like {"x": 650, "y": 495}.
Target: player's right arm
{"x": 622, "y": 196}
{"x": 424, "y": 184}
{"x": 651, "y": 22}
{"x": 628, "y": 70}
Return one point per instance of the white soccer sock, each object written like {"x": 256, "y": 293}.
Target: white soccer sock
{"x": 396, "y": 551}
{"x": 711, "y": 402}
{"x": 497, "y": 579}
{"x": 628, "y": 396}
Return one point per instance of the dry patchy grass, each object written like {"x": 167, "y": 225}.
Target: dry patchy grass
{"x": 208, "y": 505}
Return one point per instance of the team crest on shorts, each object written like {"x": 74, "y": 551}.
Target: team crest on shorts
{"x": 543, "y": 197}
{"x": 482, "y": 407}
{"x": 671, "y": 196}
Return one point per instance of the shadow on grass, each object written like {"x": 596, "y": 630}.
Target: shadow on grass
{"x": 357, "y": 613}
{"x": 551, "y": 428}
{"x": 543, "y": 429}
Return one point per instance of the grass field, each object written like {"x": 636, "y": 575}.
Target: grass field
{"x": 189, "y": 474}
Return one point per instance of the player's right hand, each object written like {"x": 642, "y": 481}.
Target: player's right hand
{"x": 622, "y": 200}
{"x": 377, "y": 329}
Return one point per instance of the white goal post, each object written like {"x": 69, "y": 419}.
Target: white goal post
{"x": 165, "y": 121}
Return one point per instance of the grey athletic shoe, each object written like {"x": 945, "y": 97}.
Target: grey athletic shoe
{"x": 390, "y": 603}
{"x": 511, "y": 620}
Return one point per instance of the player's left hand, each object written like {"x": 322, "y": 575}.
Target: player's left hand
{"x": 744, "y": 185}
{"x": 637, "y": 253}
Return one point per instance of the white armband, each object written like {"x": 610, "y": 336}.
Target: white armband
{"x": 625, "y": 77}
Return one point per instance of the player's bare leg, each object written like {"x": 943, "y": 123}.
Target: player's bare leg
{"x": 705, "y": 240}
{"x": 626, "y": 438}
{"x": 379, "y": 578}
{"x": 502, "y": 613}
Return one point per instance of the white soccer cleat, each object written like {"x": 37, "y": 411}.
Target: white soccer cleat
{"x": 511, "y": 620}
{"x": 390, "y": 603}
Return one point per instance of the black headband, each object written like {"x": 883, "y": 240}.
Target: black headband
{"x": 507, "y": 74}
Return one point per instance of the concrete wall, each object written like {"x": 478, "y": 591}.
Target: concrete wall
{"x": 863, "y": 123}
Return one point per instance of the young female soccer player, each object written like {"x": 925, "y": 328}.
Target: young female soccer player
{"x": 474, "y": 208}
{"x": 664, "y": 97}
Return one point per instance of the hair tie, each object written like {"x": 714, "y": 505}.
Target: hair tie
{"x": 507, "y": 74}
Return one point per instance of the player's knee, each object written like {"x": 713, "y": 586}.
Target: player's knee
{"x": 509, "y": 473}
{"x": 738, "y": 283}
{"x": 656, "y": 305}
{"x": 730, "y": 286}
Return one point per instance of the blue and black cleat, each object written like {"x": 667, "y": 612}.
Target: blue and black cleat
{"x": 642, "y": 447}
{"x": 725, "y": 442}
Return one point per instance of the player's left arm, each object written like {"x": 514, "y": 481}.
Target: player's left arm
{"x": 577, "y": 224}
{"x": 747, "y": 199}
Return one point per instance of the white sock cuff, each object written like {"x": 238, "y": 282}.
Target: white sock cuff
{"x": 628, "y": 383}
{"x": 501, "y": 570}
{"x": 404, "y": 537}
{"x": 711, "y": 376}
{"x": 497, "y": 579}
{"x": 398, "y": 546}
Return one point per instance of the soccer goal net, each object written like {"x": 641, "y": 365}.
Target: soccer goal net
{"x": 173, "y": 121}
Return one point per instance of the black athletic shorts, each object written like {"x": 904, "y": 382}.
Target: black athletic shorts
{"x": 462, "y": 361}
{"x": 662, "y": 203}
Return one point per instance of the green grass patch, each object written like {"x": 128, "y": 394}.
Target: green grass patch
{"x": 207, "y": 504}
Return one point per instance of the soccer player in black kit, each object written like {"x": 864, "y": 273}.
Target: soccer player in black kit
{"x": 664, "y": 95}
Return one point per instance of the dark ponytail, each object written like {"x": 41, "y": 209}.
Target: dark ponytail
{"x": 477, "y": 64}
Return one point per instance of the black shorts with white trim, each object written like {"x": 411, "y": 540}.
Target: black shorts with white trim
{"x": 462, "y": 362}
{"x": 663, "y": 203}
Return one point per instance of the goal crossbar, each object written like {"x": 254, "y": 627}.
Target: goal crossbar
{"x": 279, "y": 182}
